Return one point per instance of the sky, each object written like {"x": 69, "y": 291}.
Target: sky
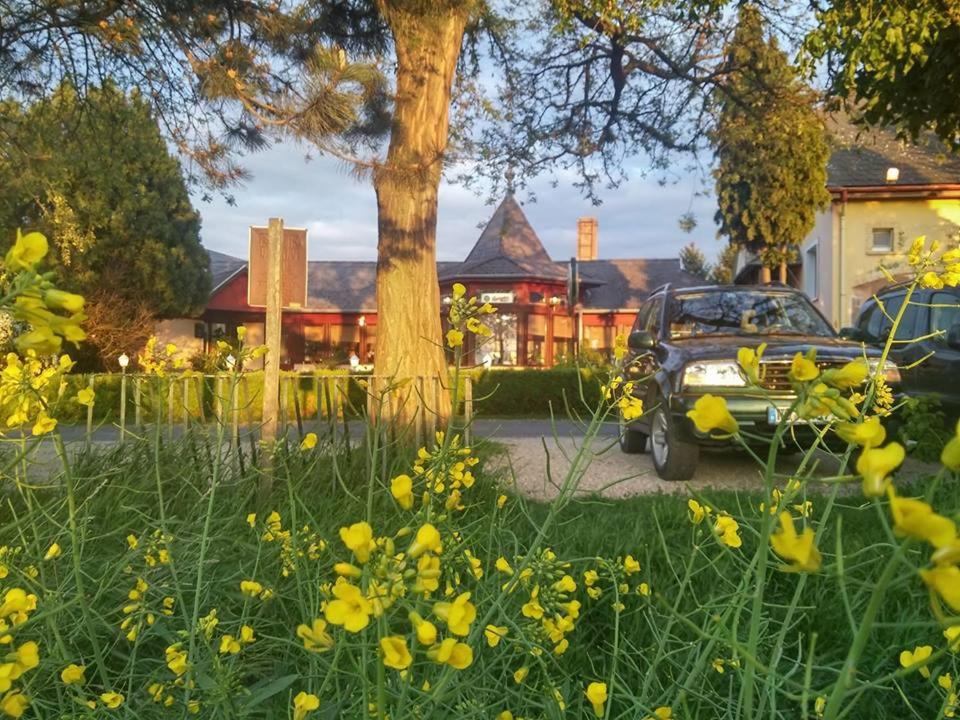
{"x": 638, "y": 219}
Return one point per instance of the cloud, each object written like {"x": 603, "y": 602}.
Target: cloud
{"x": 639, "y": 219}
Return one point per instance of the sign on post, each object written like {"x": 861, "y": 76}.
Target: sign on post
{"x": 293, "y": 261}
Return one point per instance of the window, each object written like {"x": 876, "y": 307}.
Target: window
{"x": 744, "y": 312}
{"x": 944, "y": 314}
{"x": 653, "y": 322}
{"x": 882, "y": 240}
{"x": 881, "y": 320}
{"x": 811, "y": 279}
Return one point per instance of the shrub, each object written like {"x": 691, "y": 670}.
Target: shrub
{"x": 535, "y": 392}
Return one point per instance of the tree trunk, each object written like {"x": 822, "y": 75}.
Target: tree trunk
{"x": 427, "y": 41}
{"x": 764, "y": 275}
{"x": 783, "y": 271}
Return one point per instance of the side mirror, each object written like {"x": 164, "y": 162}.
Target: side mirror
{"x": 953, "y": 336}
{"x": 853, "y": 333}
{"x": 640, "y": 340}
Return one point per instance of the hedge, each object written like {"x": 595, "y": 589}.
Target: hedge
{"x": 533, "y": 392}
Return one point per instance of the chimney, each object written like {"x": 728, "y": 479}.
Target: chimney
{"x": 587, "y": 238}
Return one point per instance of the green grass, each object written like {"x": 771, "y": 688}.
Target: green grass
{"x": 659, "y": 649}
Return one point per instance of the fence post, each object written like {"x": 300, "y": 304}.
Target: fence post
{"x": 137, "y": 410}
{"x": 123, "y": 404}
{"x": 186, "y": 402}
{"x": 171, "y": 410}
{"x": 235, "y": 407}
{"x": 92, "y": 385}
{"x": 467, "y": 408}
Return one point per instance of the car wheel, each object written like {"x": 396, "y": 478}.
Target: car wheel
{"x": 632, "y": 441}
{"x": 673, "y": 458}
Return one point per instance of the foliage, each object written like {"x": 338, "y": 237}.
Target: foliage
{"x": 722, "y": 271}
{"x": 889, "y": 62}
{"x": 693, "y": 261}
{"x": 770, "y": 145}
{"x": 923, "y": 427}
{"x": 534, "y": 392}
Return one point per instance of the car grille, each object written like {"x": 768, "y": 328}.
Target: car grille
{"x": 775, "y": 374}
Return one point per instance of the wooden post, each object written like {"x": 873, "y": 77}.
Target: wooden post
{"x": 123, "y": 404}
{"x": 171, "y": 408}
{"x": 137, "y": 406}
{"x": 90, "y": 410}
{"x": 272, "y": 330}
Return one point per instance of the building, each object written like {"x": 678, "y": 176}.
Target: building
{"x": 883, "y": 194}
{"x": 543, "y": 317}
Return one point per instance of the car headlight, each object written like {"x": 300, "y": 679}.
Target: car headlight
{"x": 891, "y": 373}
{"x": 713, "y": 373}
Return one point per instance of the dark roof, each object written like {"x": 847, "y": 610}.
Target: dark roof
{"x": 223, "y": 267}
{"x": 341, "y": 285}
{"x": 624, "y": 284}
{"x": 860, "y": 157}
{"x": 508, "y": 247}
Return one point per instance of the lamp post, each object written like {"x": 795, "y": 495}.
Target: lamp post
{"x": 361, "y": 324}
{"x": 123, "y": 361}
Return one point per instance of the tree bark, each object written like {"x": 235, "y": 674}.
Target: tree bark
{"x": 783, "y": 271}
{"x": 764, "y": 275}
{"x": 427, "y": 39}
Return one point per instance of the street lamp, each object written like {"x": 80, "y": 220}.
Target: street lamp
{"x": 361, "y": 324}
{"x": 123, "y": 361}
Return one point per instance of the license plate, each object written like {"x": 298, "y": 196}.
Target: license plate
{"x": 775, "y": 415}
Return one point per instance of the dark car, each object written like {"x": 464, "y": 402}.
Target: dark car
{"x": 927, "y": 342}
{"x": 684, "y": 345}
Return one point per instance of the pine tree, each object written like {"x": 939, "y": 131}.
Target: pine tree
{"x": 722, "y": 271}
{"x": 693, "y": 261}
{"x": 771, "y": 149}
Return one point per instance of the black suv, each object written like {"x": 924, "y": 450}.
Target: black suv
{"x": 926, "y": 345}
{"x": 684, "y": 344}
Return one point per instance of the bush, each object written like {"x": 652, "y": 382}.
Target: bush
{"x": 533, "y": 392}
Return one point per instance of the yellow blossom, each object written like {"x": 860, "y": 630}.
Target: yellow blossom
{"x": 112, "y": 700}
{"x": 350, "y": 609}
{"x": 72, "y": 674}
{"x": 309, "y": 441}
{"x": 315, "y": 636}
{"x": 502, "y": 565}
{"x": 944, "y": 580}
{"x": 697, "y": 511}
{"x": 520, "y": 674}
{"x": 950, "y": 456}
{"x": 749, "y": 361}
{"x": 847, "y": 377}
{"x": 952, "y": 635}
{"x": 565, "y": 584}
{"x": 425, "y": 630}
{"x": 14, "y": 704}
{"x": 358, "y": 538}
{"x": 395, "y": 652}
{"x": 869, "y": 433}
{"x": 53, "y": 552}
{"x": 229, "y": 645}
{"x": 304, "y": 703}
{"x": 729, "y": 531}
{"x": 457, "y": 615}
{"x": 945, "y": 681}
{"x": 43, "y": 425}
{"x": 876, "y": 464}
{"x": 630, "y": 566}
{"x": 459, "y": 290}
{"x": 85, "y": 397}
{"x": 427, "y": 539}
{"x": 920, "y": 654}
{"x": 494, "y": 634}
{"x": 251, "y": 588}
{"x": 401, "y": 487}
{"x": 27, "y": 251}
{"x": 596, "y": 693}
{"x": 798, "y": 549}
{"x": 710, "y": 413}
{"x": 501, "y": 501}
{"x": 803, "y": 368}
{"x": 661, "y": 713}
{"x": 457, "y": 655}
{"x": 454, "y": 338}
{"x": 916, "y": 519}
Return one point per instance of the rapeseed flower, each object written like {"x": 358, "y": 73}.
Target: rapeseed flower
{"x": 86, "y": 397}
{"x": 596, "y": 693}
{"x": 661, "y": 713}
{"x": 944, "y": 580}
{"x": 728, "y": 530}
{"x": 798, "y": 549}
{"x": 53, "y": 552}
{"x": 229, "y": 645}
{"x": 73, "y": 674}
{"x": 711, "y": 413}
{"x": 876, "y": 464}
{"x": 315, "y": 636}
{"x": 454, "y": 338}
{"x": 251, "y": 588}
{"x": 309, "y": 441}
{"x": 112, "y": 700}
{"x": 630, "y": 566}
{"x": 916, "y": 519}
{"x": 359, "y": 538}
{"x": 427, "y": 539}
{"x": 869, "y": 433}
{"x": 803, "y": 368}
{"x": 697, "y": 511}
{"x": 494, "y": 634}
{"x": 520, "y": 674}
{"x": 847, "y": 377}
{"x": 14, "y": 704}
{"x": 457, "y": 655}
{"x": 950, "y": 456}
{"x": 350, "y": 609}
{"x": 395, "y": 652}
{"x": 304, "y": 703}
{"x": 919, "y": 655}
{"x": 401, "y": 487}
{"x": 749, "y": 361}
{"x": 458, "y": 615}
{"x": 425, "y": 630}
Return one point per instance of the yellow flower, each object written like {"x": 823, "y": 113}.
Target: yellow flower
{"x": 749, "y": 361}
{"x": 72, "y": 674}
{"x": 661, "y": 713}
{"x": 426, "y": 631}
{"x": 567, "y": 584}
{"x": 847, "y": 377}
{"x": 229, "y": 644}
{"x": 43, "y": 425}
{"x": 876, "y": 464}
{"x": 944, "y": 580}
{"x": 454, "y": 338}
{"x": 428, "y": 538}
{"x": 304, "y": 703}
{"x": 132, "y": 542}
{"x": 916, "y": 519}
{"x": 630, "y": 566}
{"x": 920, "y": 654}
{"x": 85, "y": 397}
{"x": 798, "y": 549}
{"x": 459, "y": 291}
{"x": 252, "y": 519}
{"x": 952, "y": 635}
{"x": 395, "y": 652}
{"x": 494, "y": 634}
{"x": 251, "y": 588}
{"x": 803, "y": 368}
{"x": 643, "y": 589}
{"x": 351, "y": 609}
{"x": 457, "y": 655}
{"x": 309, "y": 441}
{"x": 729, "y": 531}
{"x": 315, "y": 636}
{"x": 697, "y": 511}
{"x": 359, "y": 538}
{"x": 505, "y": 715}
{"x": 521, "y": 674}
{"x": 597, "y": 695}
{"x": 718, "y": 665}
{"x": 176, "y": 660}
{"x": 246, "y": 635}
{"x": 710, "y": 413}
{"x": 501, "y": 501}
{"x": 112, "y": 700}
{"x": 53, "y": 552}
{"x": 502, "y": 565}
{"x": 951, "y": 451}
{"x": 620, "y": 347}
{"x": 26, "y": 252}
{"x": 401, "y": 487}
{"x": 14, "y": 704}
{"x": 945, "y": 681}
{"x": 869, "y": 433}
{"x": 457, "y": 615}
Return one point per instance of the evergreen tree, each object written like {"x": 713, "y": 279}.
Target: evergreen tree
{"x": 693, "y": 261}
{"x": 722, "y": 271}
{"x": 771, "y": 149}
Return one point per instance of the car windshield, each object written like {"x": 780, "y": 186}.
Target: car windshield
{"x": 744, "y": 312}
